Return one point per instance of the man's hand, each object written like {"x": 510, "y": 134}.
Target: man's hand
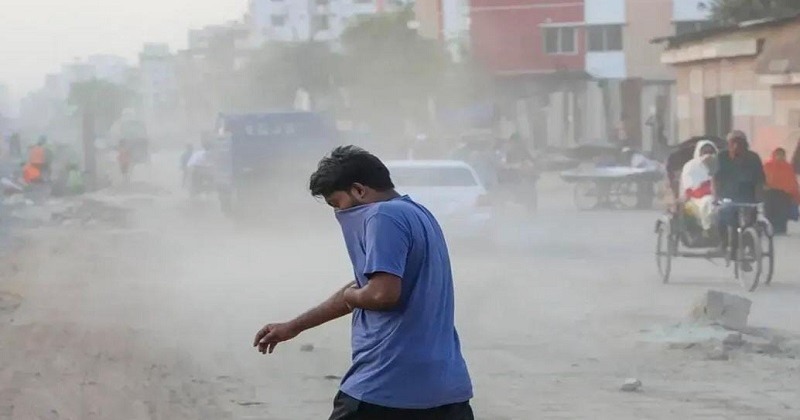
{"x": 272, "y": 334}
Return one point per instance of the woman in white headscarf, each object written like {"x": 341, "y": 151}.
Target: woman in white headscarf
{"x": 696, "y": 186}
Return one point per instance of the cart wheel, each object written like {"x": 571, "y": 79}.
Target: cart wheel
{"x": 664, "y": 252}
{"x": 625, "y": 194}
{"x": 586, "y": 195}
{"x": 749, "y": 254}
{"x": 768, "y": 256}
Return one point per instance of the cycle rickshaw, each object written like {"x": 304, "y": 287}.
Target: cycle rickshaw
{"x": 679, "y": 236}
{"x": 604, "y": 181}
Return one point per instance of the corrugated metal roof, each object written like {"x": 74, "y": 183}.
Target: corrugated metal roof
{"x": 676, "y": 40}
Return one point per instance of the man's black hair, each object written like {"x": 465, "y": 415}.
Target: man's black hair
{"x": 345, "y": 166}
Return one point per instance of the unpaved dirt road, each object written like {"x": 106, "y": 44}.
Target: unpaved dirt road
{"x": 153, "y": 318}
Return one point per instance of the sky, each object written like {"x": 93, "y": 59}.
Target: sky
{"x": 37, "y": 36}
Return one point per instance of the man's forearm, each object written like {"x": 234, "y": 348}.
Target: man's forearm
{"x": 362, "y": 298}
{"x": 334, "y": 307}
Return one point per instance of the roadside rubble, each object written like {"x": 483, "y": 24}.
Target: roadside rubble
{"x": 719, "y": 308}
{"x": 85, "y": 211}
{"x": 631, "y": 385}
{"x": 717, "y": 330}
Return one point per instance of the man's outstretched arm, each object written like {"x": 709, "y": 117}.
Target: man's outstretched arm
{"x": 272, "y": 334}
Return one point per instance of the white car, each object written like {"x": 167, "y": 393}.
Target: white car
{"x": 451, "y": 190}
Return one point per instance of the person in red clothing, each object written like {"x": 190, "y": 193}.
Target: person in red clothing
{"x": 782, "y": 193}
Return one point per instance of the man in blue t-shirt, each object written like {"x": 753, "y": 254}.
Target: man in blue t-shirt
{"x": 407, "y": 361}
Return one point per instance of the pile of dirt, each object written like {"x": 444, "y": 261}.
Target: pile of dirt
{"x": 89, "y": 212}
{"x": 718, "y": 329}
{"x": 757, "y": 342}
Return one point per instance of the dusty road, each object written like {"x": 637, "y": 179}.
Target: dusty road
{"x": 151, "y": 316}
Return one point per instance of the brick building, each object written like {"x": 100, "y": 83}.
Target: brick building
{"x": 743, "y": 77}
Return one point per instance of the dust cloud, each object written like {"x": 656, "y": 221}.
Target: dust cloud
{"x": 138, "y": 300}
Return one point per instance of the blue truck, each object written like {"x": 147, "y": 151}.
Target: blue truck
{"x": 261, "y": 155}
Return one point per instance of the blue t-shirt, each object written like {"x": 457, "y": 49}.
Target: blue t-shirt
{"x": 409, "y": 357}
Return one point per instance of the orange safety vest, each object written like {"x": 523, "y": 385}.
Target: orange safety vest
{"x": 37, "y": 155}
{"x": 30, "y": 173}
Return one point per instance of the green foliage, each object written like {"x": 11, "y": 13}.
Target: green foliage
{"x": 275, "y": 73}
{"x": 382, "y": 55}
{"x": 104, "y": 99}
{"x": 734, "y": 11}
{"x": 380, "y": 72}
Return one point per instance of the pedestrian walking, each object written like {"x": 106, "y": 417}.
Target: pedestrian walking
{"x": 407, "y": 361}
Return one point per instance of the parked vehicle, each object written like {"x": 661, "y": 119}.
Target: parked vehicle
{"x": 451, "y": 190}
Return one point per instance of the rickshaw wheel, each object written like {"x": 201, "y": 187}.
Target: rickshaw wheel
{"x": 664, "y": 252}
{"x": 768, "y": 254}
{"x": 749, "y": 253}
{"x": 625, "y": 194}
{"x": 586, "y": 195}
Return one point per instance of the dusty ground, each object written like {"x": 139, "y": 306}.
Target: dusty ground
{"x": 149, "y": 314}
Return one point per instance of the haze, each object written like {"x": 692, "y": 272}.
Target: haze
{"x": 37, "y": 36}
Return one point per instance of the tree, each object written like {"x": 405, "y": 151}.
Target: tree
{"x": 104, "y": 100}
{"x": 100, "y": 104}
{"x": 389, "y": 71}
{"x": 274, "y": 74}
{"x": 734, "y": 11}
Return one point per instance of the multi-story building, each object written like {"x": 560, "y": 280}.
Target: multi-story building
{"x": 586, "y": 69}
{"x": 157, "y": 83}
{"x": 446, "y": 21}
{"x": 110, "y": 68}
{"x": 5, "y": 101}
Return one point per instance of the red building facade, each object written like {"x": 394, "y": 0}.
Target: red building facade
{"x": 516, "y": 37}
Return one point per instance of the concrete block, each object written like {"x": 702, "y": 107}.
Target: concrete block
{"x": 725, "y": 309}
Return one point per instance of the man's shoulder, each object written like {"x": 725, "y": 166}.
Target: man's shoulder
{"x": 397, "y": 208}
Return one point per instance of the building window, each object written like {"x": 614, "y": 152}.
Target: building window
{"x": 682, "y": 28}
{"x": 278, "y": 20}
{"x": 560, "y": 40}
{"x": 719, "y": 115}
{"x": 604, "y": 38}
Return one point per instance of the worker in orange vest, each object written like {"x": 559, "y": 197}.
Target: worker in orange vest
{"x": 31, "y": 173}
{"x": 37, "y": 155}
{"x": 41, "y": 156}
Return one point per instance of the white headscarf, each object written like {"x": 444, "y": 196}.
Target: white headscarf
{"x": 696, "y": 171}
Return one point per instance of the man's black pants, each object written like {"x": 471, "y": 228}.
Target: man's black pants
{"x": 346, "y": 407}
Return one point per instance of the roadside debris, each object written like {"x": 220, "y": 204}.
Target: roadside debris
{"x": 709, "y": 335}
{"x": 84, "y": 211}
{"x": 631, "y": 385}
{"x": 718, "y": 354}
{"x": 720, "y": 308}
{"x": 733, "y": 340}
